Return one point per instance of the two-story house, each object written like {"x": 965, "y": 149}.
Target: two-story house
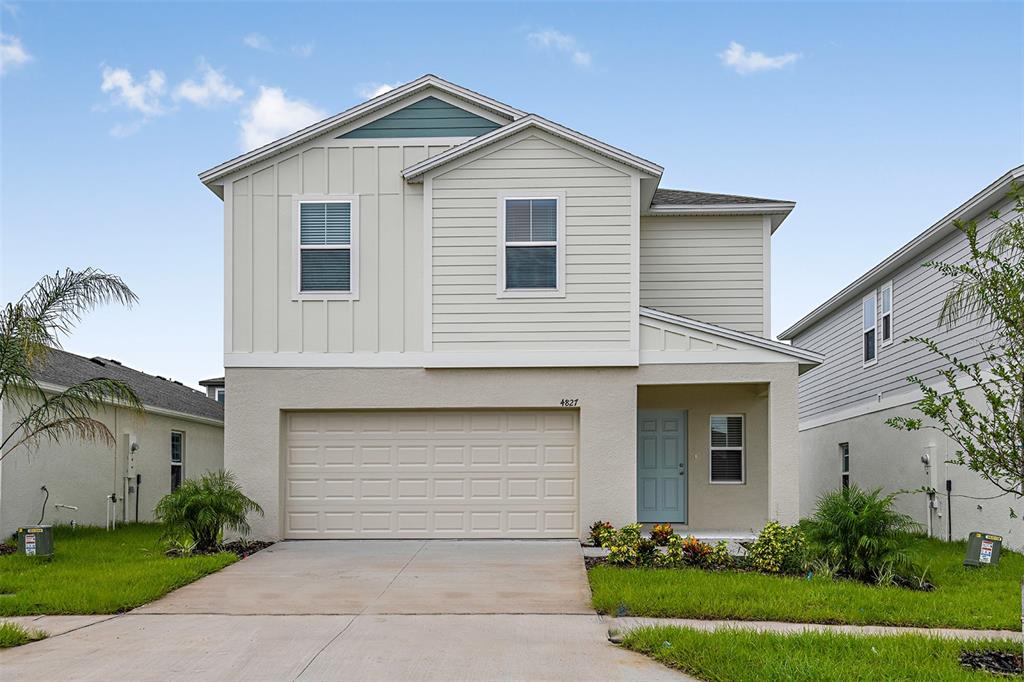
{"x": 446, "y": 317}
{"x": 845, "y": 402}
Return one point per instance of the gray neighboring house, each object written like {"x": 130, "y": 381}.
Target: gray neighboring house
{"x": 214, "y": 388}
{"x": 845, "y": 401}
{"x": 448, "y": 318}
{"x": 179, "y": 435}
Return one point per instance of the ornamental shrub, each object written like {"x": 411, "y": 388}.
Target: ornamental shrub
{"x": 661, "y": 533}
{"x": 719, "y": 557}
{"x": 628, "y": 547}
{"x": 778, "y": 549}
{"x": 201, "y": 508}
{"x": 600, "y": 533}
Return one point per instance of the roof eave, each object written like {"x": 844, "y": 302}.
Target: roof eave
{"x": 973, "y": 206}
{"x": 211, "y": 175}
{"x": 778, "y": 211}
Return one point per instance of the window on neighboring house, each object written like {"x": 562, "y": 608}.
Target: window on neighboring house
{"x": 727, "y": 449}
{"x": 886, "y": 320}
{"x": 177, "y": 459}
{"x": 844, "y": 457}
{"x": 868, "y": 337}
{"x": 218, "y": 395}
{"x": 532, "y": 235}
{"x": 327, "y": 242}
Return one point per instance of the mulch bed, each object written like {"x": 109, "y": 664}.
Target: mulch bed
{"x": 245, "y": 549}
{"x": 6, "y": 549}
{"x": 999, "y": 662}
{"x": 591, "y": 561}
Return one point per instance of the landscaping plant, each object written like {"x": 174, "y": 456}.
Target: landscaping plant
{"x": 778, "y": 549}
{"x": 201, "y": 508}
{"x": 29, "y": 328}
{"x": 860, "y": 534}
{"x": 600, "y": 533}
{"x": 661, "y": 533}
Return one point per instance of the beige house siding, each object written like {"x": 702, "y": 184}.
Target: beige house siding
{"x": 388, "y": 315}
{"x": 596, "y": 312}
{"x": 608, "y": 400}
{"x": 708, "y": 268}
{"x": 82, "y": 474}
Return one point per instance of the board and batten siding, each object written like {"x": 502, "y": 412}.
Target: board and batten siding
{"x": 708, "y": 268}
{"x": 842, "y": 382}
{"x": 596, "y": 311}
{"x": 388, "y": 315}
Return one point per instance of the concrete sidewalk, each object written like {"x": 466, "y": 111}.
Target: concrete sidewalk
{"x": 622, "y": 625}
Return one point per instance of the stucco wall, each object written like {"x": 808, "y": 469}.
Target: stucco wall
{"x": 83, "y": 474}
{"x": 607, "y": 405}
{"x": 881, "y": 456}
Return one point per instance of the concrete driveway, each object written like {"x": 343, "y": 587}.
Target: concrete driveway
{"x": 358, "y": 610}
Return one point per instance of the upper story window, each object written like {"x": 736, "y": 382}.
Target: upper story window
{"x": 218, "y": 395}
{"x": 886, "y": 320}
{"x": 727, "y": 456}
{"x": 532, "y": 246}
{"x": 869, "y": 331}
{"x": 326, "y": 255}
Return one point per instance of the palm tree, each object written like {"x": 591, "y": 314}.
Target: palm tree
{"x": 29, "y": 328}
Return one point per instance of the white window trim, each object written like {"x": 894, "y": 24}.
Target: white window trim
{"x": 864, "y": 329}
{"x": 882, "y": 314}
{"x": 558, "y": 291}
{"x": 217, "y": 393}
{"x": 742, "y": 449}
{"x": 844, "y": 462}
{"x": 353, "y": 293}
{"x": 170, "y": 453}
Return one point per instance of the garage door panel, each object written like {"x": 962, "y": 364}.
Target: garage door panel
{"x": 432, "y": 474}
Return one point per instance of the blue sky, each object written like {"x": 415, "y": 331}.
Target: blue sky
{"x": 877, "y": 119}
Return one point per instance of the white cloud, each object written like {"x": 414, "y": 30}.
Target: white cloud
{"x": 743, "y": 62}
{"x": 213, "y": 89}
{"x": 304, "y": 50}
{"x": 12, "y": 53}
{"x": 273, "y": 115}
{"x": 551, "y": 39}
{"x": 127, "y": 129}
{"x": 258, "y": 41}
{"x": 143, "y": 96}
{"x": 371, "y": 90}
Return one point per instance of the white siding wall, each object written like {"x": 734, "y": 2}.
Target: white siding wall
{"x": 388, "y": 317}
{"x": 596, "y": 312}
{"x": 918, "y": 292}
{"x": 710, "y": 269}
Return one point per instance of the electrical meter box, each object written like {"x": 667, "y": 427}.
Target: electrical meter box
{"x": 36, "y": 541}
{"x": 983, "y": 549}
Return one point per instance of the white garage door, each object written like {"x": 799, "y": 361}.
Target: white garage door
{"x": 431, "y": 473}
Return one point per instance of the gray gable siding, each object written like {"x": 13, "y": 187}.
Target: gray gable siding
{"x": 429, "y": 117}
{"x": 843, "y": 382}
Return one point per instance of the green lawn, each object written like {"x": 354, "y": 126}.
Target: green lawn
{"x": 12, "y": 634}
{"x": 738, "y": 656}
{"x": 980, "y": 598}
{"x": 96, "y": 571}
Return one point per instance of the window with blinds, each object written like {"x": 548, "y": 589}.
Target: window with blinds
{"x": 325, "y": 247}
{"x": 531, "y": 244}
{"x": 727, "y": 449}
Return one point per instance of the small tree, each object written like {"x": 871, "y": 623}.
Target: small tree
{"x": 988, "y": 288}
{"x": 202, "y": 508}
{"x": 29, "y": 328}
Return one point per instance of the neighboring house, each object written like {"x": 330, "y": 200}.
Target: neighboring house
{"x": 863, "y": 382}
{"x": 445, "y": 317}
{"x": 179, "y": 434}
{"x": 214, "y": 388}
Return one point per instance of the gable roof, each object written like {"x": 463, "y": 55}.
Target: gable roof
{"x": 806, "y": 358}
{"x": 62, "y": 369}
{"x": 416, "y": 171}
{"x": 688, "y": 202}
{"x": 685, "y": 197}
{"x": 426, "y": 117}
{"x": 210, "y": 176}
{"x": 980, "y": 202}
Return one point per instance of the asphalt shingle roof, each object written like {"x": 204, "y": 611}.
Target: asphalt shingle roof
{"x": 683, "y": 197}
{"x": 66, "y": 369}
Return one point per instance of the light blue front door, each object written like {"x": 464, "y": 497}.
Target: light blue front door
{"x": 661, "y": 466}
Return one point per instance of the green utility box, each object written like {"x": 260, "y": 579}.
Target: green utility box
{"x": 983, "y": 549}
{"x": 36, "y": 541}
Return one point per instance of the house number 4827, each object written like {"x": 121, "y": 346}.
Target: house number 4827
{"x": 570, "y": 402}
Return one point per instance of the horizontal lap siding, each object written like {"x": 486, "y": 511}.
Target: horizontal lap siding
{"x": 707, "y": 268}
{"x": 918, "y": 293}
{"x": 388, "y": 317}
{"x": 595, "y": 312}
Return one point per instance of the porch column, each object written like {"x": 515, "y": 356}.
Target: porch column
{"x": 783, "y": 447}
